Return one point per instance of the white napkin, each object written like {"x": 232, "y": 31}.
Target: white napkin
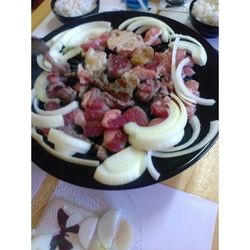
{"x": 162, "y": 218}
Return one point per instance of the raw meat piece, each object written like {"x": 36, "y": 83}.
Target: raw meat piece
{"x": 152, "y": 35}
{"x": 159, "y": 107}
{"x": 93, "y": 129}
{"x": 124, "y": 42}
{"x": 98, "y": 43}
{"x": 142, "y": 55}
{"x": 136, "y": 114}
{"x": 114, "y": 102}
{"x": 147, "y": 90}
{"x": 117, "y": 65}
{"x": 114, "y": 140}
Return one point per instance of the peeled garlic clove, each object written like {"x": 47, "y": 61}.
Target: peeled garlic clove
{"x": 97, "y": 245}
{"x": 74, "y": 240}
{"x": 107, "y": 227}
{"x": 87, "y": 230}
{"x": 124, "y": 236}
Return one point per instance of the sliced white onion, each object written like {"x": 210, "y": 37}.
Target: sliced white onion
{"x": 143, "y": 29}
{"x": 159, "y": 141}
{"x": 184, "y": 98}
{"x": 196, "y": 127}
{"x": 166, "y": 136}
{"x": 180, "y": 85}
{"x": 41, "y": 63}
{"x": 56, "y": 38}
{"x": 74, "y": 240}
{"x": 42, "y": 121}
{"x": 64, "y": 150}
{"x": 173, "y": 61}
{"x": 40, "y": 86}
{"x": 61, "y": 111}
{"x": 127, "y": 22}
{"x": 151, "y": 168}
{"x": 214, "y": 128}
{"x": 198, "y": 53}
{"x": 132, "y": 128}
{"x": 74, "y": 37}
{"x": 136, "y": 22}
{"x": 189, "y": 38}
{"x": 33, "y": 95}
{"x": 163, "y": 27}
{"x": 84, "y": 162}
{"x": 72, "y": 52}
{"x": 62, "y": 139}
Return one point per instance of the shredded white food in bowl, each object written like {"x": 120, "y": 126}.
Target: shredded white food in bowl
{"x": 73, "y": 8}
{"x": 207, "y": 11}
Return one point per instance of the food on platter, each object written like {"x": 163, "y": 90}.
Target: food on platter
{"x": 111, "y": 99}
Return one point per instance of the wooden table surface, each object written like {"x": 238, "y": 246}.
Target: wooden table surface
{"x": 201, "y": 179}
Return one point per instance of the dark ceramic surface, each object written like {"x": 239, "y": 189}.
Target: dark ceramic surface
{"x": 208, "y": 78}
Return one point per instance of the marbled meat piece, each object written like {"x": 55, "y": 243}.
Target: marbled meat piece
{"x": 79, "y": 117}
{"x": 145, "y": 91}
{"x": 193, "y": 87}
{"x": 143, "y": 74}
{"x": 99, "y": 43}
{"x": 123, "y": 88}
{"x": 114, "y": 140}
{"x": 84, "y": 80}
{"x": 93, "y": 129}
{"x": 124, "y": 42}
{"x": 95, "y": 61}
{"x": 94, "y": 114}
{"x": 113, "y": 119}
{"x": 94, "y": 105}
{"x": 66, "y": 94}
{"x": 137, "y": 115}
{"x": 93, "y": 99}
{"x": 159, "y": 107}
{"x": 142, "y": 55}
{"x": 117, "y": 65}
{"x": 51, "y": 105}
{"x": 152, "y": 35}
{"x": 164, "y": 61}
{"x": 114, "y": 102}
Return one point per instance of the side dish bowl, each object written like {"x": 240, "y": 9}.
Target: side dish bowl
{"x": 65, "y": 19}
{"x": 204, "y": 29}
